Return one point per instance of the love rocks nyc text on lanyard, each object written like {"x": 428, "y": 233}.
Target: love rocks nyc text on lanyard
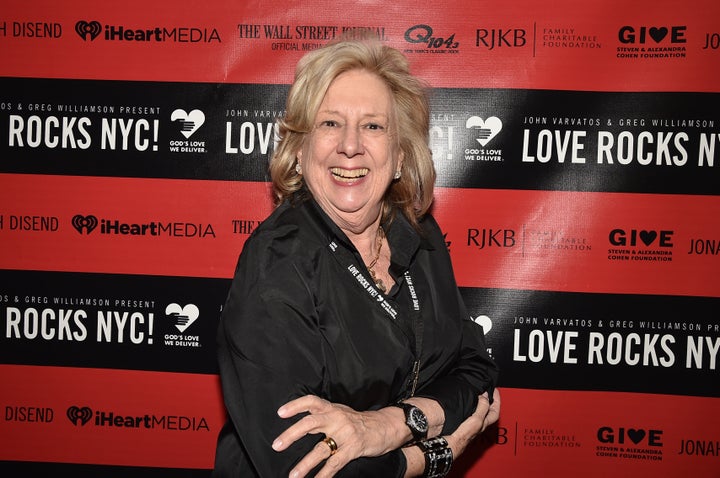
{"x": 375, "y": 294}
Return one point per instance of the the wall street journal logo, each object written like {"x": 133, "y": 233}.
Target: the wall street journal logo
{"x": 90, "y": 30}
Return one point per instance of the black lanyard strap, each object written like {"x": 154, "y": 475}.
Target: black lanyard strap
{"x": 348, "y": 261}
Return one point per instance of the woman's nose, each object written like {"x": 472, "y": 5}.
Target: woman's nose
{"x": 351, "y": 141}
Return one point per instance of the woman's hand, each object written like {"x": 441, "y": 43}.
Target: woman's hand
{"x": 484, "y": 416}
{"x": 355, "y": 434}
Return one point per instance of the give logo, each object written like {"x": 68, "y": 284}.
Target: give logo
{"x": 634, "y": 237}
{"x": 634, "y": 436}
{"x": 629, "y": 34}
{"x": 183, "y": 317}
{"x": 189, "y": 122}
{"x": 486, "y": 129}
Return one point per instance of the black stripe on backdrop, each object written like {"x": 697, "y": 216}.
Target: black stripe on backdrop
{"x": 540, "y": 339}
{"x": 603, "y": 342}
{"x": 481, "y": 138}
{"x": 110, "y": 321}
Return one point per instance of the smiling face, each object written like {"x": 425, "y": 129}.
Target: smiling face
{"x": 349, "y": 159}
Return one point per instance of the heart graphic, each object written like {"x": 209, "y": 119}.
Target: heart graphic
{"x": 87, "y": 223}
{"x": 648, "y": 237}
{"x": 485, "y": 322}
{"x": 78, "y": 414}
{"x": 636, "y": 435}
{"x": 183, "y": 316}
{"x": 658, "y": 34}
{"x": 487, "y": 129}
{"x": 84, "y": 29}
{"x": 189, "y": 122}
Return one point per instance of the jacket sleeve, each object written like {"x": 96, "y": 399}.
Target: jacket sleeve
{"x": 472, "y": 371}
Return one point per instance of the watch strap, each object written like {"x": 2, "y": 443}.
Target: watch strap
{"x": 438, "y": 457}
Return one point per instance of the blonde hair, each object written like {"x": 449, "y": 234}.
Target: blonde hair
{"x": 412, "y": 193}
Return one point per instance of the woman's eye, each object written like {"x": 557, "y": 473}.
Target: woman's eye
{"x": 375, "y": 128}
{"x": 329, "y": 123}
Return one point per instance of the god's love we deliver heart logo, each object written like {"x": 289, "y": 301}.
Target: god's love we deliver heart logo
{"x": 486, "y": 129}
{"x": 485, "y": 322}
{"x": 183, "y": 316}
{"x": 189, "y": 122}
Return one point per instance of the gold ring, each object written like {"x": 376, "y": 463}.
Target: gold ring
{"x": 331, "y": 443}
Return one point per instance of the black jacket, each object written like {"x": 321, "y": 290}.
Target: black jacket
{"x": 303, "y": 317}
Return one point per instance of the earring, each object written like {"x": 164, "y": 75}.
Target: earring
{"x": 397, "y": 174}
{"x": 298, "y": 168}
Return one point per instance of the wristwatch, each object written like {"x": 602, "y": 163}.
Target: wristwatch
{"x": 416, "y": 421}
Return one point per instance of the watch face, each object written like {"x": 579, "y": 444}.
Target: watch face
{"x": 419, "y": 420}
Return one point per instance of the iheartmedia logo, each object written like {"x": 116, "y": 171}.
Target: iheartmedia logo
{"x": 87, "y": 224}
{"x": 90, "y": 30}
{"x": 84, "y": 223}
{"x": 80, "y": 416}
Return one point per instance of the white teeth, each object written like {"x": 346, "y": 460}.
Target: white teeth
{"x": 349, "y": 174}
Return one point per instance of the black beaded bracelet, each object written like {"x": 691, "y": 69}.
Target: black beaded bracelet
{"x": 438, "y": 457}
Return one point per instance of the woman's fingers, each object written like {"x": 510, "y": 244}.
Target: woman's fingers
{"x": 312, "y": 423}
{"x": 322, "y": 451}
{"x": 306, "y": 403}
{"x": 493, "y": 413}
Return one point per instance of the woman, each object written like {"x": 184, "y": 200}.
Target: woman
{"x": 344, "y": 345}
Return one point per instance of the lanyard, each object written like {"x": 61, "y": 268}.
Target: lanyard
{"x": 369, "y": 287}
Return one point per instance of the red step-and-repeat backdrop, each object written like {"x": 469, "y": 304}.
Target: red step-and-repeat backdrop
{"x": 578, "y": 154}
